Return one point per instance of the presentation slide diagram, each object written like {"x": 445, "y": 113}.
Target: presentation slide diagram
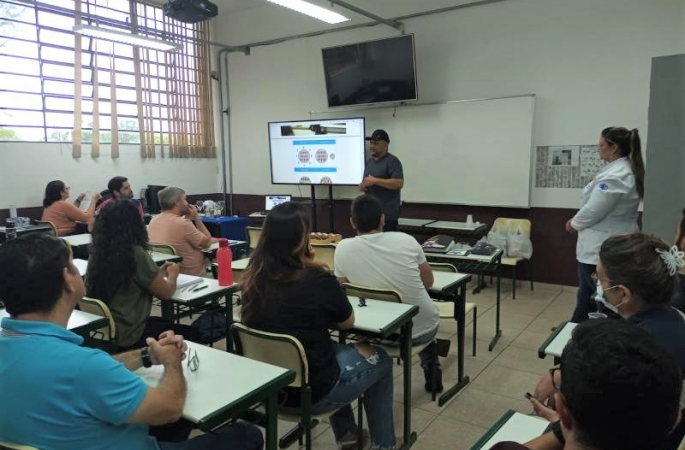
{"x": 317, "y": 152}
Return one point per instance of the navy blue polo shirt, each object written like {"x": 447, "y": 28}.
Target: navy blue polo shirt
{"x": 667, "y": 325}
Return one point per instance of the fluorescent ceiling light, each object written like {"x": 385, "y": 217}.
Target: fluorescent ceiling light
{"x": 312, "y": 10}
{"x": 125, "y": 38}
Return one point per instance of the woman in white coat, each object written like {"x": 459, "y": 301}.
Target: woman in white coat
{"x": 608, "y": 207}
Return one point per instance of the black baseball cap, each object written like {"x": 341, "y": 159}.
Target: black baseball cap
{"x": 379, "y": 135}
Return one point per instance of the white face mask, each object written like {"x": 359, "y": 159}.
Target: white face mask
{"x": 599, "y": 298}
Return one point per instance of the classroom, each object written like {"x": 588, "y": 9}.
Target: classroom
{"x": 505, "y": 121}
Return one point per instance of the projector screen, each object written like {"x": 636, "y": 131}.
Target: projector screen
{"x": 317, "y": 151}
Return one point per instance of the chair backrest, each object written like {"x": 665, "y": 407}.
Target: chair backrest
{"x": 280, "y": 350}
{"x": 50, "y": 224}
{"x": 4, "y": 445}
{"x": 386, "y": 295}
{"x": 163, "y": 248}
{"x": 99, "y": 308}
{"x": 443, "y": 267}
{"x": 253, "y": 234}
{"x": 504, "y": 223}
{"x": 325, "y": 253}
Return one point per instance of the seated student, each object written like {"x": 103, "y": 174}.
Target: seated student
{"x": 63, "y": 214}
{"x": 679, "y": 300}
{"x": 636, "y": 278}
{"x": 188, "y": 237}
{"x": 122, "y": 274}
{"x": 391, "y": 260}
{"x": 118, "y": 188}
{"x": 58, "y": 395}
{"x": 617, "y": 388}
{"x": 285, "y": 291}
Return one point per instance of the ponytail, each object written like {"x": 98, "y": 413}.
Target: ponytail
{"x": 628, "y": 144}
{"x": 636, "y": 162}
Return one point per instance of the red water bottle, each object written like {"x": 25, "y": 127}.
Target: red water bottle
{"x": 224, "y": 257}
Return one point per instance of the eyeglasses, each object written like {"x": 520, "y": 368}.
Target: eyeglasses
{"x": 362, "y": 302}
{"x": 554, "y": 383}
{"x": 193, "y": 360}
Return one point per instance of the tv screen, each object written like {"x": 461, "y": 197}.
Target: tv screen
{"x": 371, "y": 72}
{"x": 317, "y": 151}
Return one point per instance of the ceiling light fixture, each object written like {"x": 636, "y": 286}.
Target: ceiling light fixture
{"x": 125, "y": 38}
{"x": 312, "y": 10}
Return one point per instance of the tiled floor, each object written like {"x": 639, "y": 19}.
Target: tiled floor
{"x": 499, "y": 379}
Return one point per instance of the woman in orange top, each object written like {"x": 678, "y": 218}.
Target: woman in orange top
{"x": 63, "y": 213}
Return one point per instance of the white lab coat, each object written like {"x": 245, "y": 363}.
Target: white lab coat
{"x": 608, "y": 207}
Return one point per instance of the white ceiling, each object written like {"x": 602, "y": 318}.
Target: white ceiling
{"x": 383, "y": 8}
{"x": 243, "y": 22}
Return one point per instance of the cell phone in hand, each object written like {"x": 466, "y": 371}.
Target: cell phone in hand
{"x": 528, "y": 395}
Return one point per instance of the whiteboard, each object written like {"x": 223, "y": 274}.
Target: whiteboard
{"x": 475, "y": 152}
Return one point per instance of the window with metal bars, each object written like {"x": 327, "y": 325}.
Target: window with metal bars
{"x": 59, "y": 87}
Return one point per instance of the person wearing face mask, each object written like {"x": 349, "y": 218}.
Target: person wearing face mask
{"x": 679, "y": 300}
{"x": 636, "y": 278}
{"x": 609, "y": 206}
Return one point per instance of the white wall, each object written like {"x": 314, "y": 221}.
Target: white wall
{"x": 588, "y": 62}
{"x": 25, "y": 169}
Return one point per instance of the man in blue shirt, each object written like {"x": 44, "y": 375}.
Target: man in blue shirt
{"x": 60, "y": 396}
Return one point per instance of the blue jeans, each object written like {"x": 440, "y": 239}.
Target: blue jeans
{"x": 239, "y": 435}
{"x": 371, "y": 377}
{"x": 586, "y": 287}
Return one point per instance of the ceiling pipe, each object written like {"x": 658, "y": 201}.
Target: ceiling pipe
{"x": 368, "y": 24}
{"x": 389, "y": 22}
{"x": 124, "y": 25}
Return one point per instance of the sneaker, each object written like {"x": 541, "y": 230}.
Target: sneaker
{"x": 427, "y": 373}
{"x": 350, "y": 441}
{"x": 399, "y": 443}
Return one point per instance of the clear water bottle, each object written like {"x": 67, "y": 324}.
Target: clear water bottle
{"x": 10, "y": 230}
{"x": 224, "y": 257}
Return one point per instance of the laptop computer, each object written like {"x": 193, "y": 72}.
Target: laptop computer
{"x": 273, "y": 200}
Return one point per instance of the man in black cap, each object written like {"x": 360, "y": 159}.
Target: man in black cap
{"x": 383, "y": 178}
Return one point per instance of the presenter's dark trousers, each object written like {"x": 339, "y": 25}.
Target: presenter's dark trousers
{"x": 586, "y": 287}
{"x": 390, "y": 225}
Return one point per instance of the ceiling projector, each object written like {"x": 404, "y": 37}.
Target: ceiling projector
{"x": 190, "y": 11}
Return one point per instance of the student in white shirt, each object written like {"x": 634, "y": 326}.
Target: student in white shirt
{"x": 390, "y": 260}
{"x": 609, "y": 207}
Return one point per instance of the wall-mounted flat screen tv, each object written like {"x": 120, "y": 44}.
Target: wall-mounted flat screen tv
{"x": 379, "y": 71}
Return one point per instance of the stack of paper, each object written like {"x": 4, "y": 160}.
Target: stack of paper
{"x": 185, "y": 281}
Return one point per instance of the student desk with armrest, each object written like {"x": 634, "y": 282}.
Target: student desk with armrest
{"x": 452, "y": 287}
{"x": 385, "y": 320}
{"x": 512, "y": 427}
{"x": 555, "y": 343}
{"x": 80, "y": 322}
{"x": 225, "y": 385}
{"x": 478, "y": 264}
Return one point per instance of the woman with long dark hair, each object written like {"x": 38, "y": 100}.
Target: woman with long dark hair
{"x": 608, "y": 206}
{"x": 122, "y": 274}
{"x": 286, "y": 291}
{"x": 65, "y": 215}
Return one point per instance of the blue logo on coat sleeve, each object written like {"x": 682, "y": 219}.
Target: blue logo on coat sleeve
{"x": 603, "y": 186}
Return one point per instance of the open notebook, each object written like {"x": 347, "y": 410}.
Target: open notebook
{"x": 185, "y": 281}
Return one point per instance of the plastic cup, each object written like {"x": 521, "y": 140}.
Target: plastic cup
{"x": 597, "y": 315}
